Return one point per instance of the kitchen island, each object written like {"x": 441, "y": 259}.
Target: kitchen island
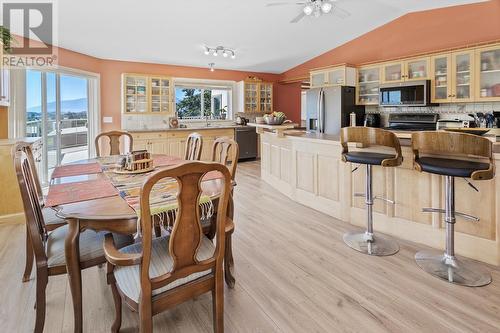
{"x": 308, "y": 169}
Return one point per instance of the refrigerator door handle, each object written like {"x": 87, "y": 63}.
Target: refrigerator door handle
{"x": 322, "y": 111}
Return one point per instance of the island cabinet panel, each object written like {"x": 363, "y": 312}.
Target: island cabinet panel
{"x": 309, "y": 170}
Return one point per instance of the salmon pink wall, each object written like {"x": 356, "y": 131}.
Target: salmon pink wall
{"x": 288, "y": 100}
{"x": 414, "y": 33}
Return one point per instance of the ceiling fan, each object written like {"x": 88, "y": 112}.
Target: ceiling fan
{"x": 315, "y": 8}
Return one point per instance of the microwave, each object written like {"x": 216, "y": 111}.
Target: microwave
{"x": 415, "y": 93}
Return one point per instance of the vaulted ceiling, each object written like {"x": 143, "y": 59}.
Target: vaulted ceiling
{"x": 174, "y": 32}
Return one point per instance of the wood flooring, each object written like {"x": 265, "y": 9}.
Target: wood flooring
{"x": 294, "y": 274}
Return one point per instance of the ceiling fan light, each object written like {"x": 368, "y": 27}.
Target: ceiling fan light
{"x": 233, "y": 55}
{"x": 224, "y": 54}
{"x": 215, "y": 53}
{"x": 317, "y": 13}
{"x": 308, "y": 10}
{"x": 207, "y": 51}
{"x": 326, "y": 7}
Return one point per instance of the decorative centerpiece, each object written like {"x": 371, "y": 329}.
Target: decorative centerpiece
{"x": 275, "y": 118}
{"x": 138, "y": 161}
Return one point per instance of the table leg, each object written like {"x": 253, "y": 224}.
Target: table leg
{"x": 72, "y": 252}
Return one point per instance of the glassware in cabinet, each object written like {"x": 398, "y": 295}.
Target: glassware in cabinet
{"x": 489, "y": 73}
{"x": 136, "y": 89}
{"x": 463, "y": 76}
{"x": 251, "y": 97}
{"x": 416, "y": 69}
{"x": 265, "y": 95}
{"x": 393, "y": 72}
{"x": 441, "y": 86}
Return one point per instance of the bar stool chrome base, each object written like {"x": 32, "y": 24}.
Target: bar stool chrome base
{"x": 461, "y": 271}
{"x": 374, "y": 245}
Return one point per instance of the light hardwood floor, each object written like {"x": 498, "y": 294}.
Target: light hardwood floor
{"x": 294, "y": 274}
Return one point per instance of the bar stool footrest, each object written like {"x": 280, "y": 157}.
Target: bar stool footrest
{"x": 460, "y": 271}
{"x": 375, "y": 245}
{"x": 442, "y": 211}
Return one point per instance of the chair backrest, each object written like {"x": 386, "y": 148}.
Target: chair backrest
{"x": 114, "y": 142}
{"x": 225, "y": 149}
{"x": 32, "y": 208}
{"x": 26, "y": 148}
{"x": 454, "y": 145}
{"x": 186, "y": 235}
{"x": 194, "y": 145}
{"x": 369, "y": 137}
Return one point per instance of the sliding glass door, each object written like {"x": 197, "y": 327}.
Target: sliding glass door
{"x": 57, "y": 107}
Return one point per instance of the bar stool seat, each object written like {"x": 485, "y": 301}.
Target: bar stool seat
{"x": 362, "y": 157}
{"x": 450, "y": 167}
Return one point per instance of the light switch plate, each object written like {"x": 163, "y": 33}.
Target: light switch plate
{"x": 107, "y": 120}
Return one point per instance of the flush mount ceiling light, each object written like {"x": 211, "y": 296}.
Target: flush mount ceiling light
{"x": 211, "y": 66}
{"x": 220, "y": 49}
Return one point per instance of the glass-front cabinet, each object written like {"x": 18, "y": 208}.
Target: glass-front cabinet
{"x": 409, "y": 70}
{"x": 266, "y": 97}
{"x": 417, "y": 69}
{"x": 136, "y": 94}
{"x": 452, "y": 77}
{"x": 368, "y": 85}
{"x": 318, "y": 79}
{"x": 146, "y": 94}
{"x": 251, "y": 97}
{"x": 393, "y": 72}
{"x": 488, "y": 69}
{"x": 343, "y": 75}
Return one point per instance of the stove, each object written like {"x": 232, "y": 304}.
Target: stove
{"x": 413, "y": 121}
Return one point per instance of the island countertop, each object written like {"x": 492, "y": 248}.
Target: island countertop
{"x": 308, "y": 168}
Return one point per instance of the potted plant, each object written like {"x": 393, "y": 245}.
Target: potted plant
{"x": 6, "y": 38}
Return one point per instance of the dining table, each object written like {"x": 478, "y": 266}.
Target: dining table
{"x": 111, "y": 214}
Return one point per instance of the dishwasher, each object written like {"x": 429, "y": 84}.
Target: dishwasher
{"x": 246, "y": 137}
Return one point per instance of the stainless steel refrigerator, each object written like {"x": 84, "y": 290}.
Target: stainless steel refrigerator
{"x": 329, "y": 109}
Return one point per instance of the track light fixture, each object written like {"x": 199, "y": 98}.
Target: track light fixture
{"x": 211, "y": 66}
{"x": 220, "y": 49}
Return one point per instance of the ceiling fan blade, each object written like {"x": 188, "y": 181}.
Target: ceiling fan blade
{"x": 298, "y": 18}
{"x": 339, "y": 12}
{"x": 274, "y": 4}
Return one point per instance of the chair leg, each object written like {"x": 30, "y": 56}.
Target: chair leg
{"x": 229, "y": 261}
{"x": 157, "y": 229}
{"x": 145, "y": 316}
{"x": 41, "y": 285}
{"x": 218, "y": 302}
{"x": 29, "y": 258}
{"x": 115, "y": 328}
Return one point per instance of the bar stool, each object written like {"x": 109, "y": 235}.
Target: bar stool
{"x": 453, "y": 155}
{"x": 366, "y": 242}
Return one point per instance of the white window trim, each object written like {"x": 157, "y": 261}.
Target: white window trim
{"x": 200, "y": 83}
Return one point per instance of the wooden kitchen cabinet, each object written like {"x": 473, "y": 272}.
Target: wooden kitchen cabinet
{"x": 487, "y": 67}
{"x": 144, "y": 94}
{"x": 407, "y": 70}
{"x": 368, "y": 84}
{"x": 336, "y": 76}
{"x": 452, "y": 77}
{"x": 256, "y": 96}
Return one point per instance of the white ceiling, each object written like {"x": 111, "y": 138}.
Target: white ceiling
{"x": 174, "y": 32}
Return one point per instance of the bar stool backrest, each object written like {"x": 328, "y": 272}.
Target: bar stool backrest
{"x": 454, "y": 145}
{"x": 370, "y": 136}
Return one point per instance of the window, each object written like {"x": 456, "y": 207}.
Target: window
{"x": 192, "y": 102}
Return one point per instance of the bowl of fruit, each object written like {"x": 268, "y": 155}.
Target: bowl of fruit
{"x": 275, "y": 118}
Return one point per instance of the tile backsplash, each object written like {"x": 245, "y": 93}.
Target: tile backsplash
{"x": 458, "y": 111}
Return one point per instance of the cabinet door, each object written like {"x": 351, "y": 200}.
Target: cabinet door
{"x": 392, "y": 72}
{"x": 136, "y": 94}
{"x": 160, "y": 95}
{"x": 368, "y": 86}
{"x": 488, "y": 67}
{"x": 336, "y": 77}
{"x": 251, "y": 97}
{"x": 441, "y": 90}
{"x": 318, "y": 79}
{"x": 141, "y": 145}
{"x": 463, "y": 76}
{"x": 266, "y": 97}
{"x": 417, "y": 69}
{"x": 158, "y": 147}
{"x": 177, "y": 147}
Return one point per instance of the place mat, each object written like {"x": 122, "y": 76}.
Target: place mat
{"x": 159, "y": 161}
{"x": 76, "y": 170}
{"x": 79, "y": 191}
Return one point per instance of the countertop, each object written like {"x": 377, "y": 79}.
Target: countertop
{"x": 10, "y": 142}
{"x": 194, "y": 128}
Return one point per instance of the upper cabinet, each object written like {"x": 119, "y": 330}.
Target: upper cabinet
{"x": 256, "y": 96}
{"x": 488, "y": 69}
{"x": 408, "y": 70}
{"x": 4, "y": 82}
{"x": 335, "y": 76}
{"x": 452, "y": 77}
{"x": 147, "y": 94}
{"x": 368, "y": 84}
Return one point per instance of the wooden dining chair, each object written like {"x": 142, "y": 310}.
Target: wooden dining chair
{"x": 114, "y": 142}
{"x": 227, "y": 152}
{"x": 49, "y": 215}
{"x": 160, "y": 273}
{"x": 49, "y": 249}
{"x": 194, "y": 145}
